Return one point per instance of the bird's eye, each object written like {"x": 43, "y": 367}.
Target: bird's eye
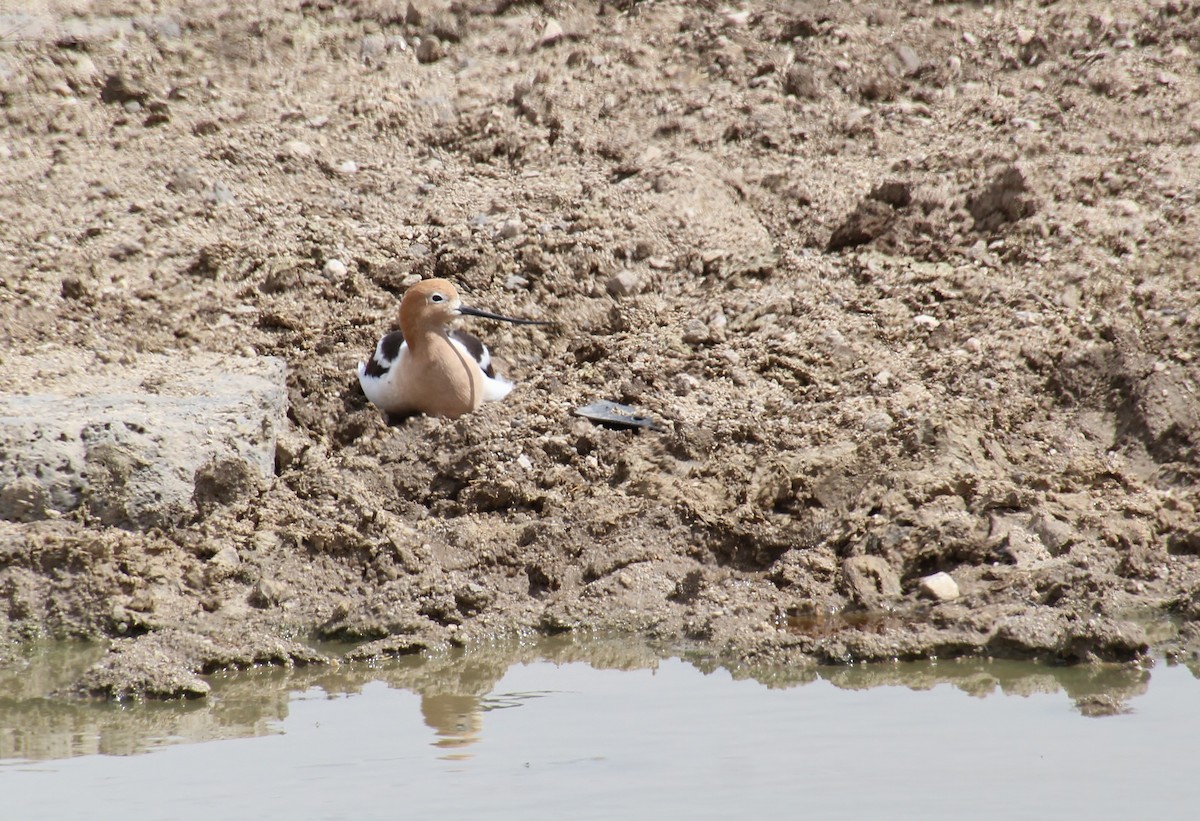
{"x": 437, "y": 298}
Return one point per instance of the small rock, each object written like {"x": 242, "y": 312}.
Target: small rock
{"x": 643, "y": 249}
{"x": 1054, "y": 533}
{"x": 926, "y": 321}
{"x": 695, "y": 332}
{"x": 626, "y": 283}
{"x": 226, "y": 557}
{"x": 270, "y": 593}
{"x": 430, "y": 50}
{"x": 684, "y": 383}
{"x": 910, "y": 63}
{"x": 717, "y": 325}
{"x": 186, "y": 179}
{"x": 552, "y": 33}
{"x": 801, "y": 81}
{"x": 85, "y": 68}
{"x": 335, "y": 268}
{"x": 125, "y": 250}
{"x": 298, "y": 149}
{"x": 940, "y": 586}
{"x": 509, "y": 229}
{"x": 348, "y": 167}
{"x": 879, "y": 421}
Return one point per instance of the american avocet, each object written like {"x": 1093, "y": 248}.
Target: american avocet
{"x": 428, "y": 367}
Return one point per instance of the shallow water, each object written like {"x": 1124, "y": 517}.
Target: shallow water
{"x": 611, "y": 730}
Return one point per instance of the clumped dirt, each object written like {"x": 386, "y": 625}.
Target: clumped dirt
{"x": 910, "y": 288}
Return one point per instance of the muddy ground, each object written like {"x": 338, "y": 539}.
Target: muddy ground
{"x": 910, "y": 287}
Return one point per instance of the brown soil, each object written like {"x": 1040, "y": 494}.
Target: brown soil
{"x": 911, "y": 288}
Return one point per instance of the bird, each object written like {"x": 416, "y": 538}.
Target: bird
{"x": 429, "y": 368}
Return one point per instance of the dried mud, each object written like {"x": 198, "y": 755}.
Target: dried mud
{"x": 910, "y": 288}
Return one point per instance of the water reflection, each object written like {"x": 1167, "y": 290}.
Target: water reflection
{"x": 456, "y": 691}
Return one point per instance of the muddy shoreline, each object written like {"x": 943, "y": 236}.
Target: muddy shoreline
{"x": 910, "y": 290}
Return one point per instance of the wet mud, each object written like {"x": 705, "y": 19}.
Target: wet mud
{"x": 910, "y": 290}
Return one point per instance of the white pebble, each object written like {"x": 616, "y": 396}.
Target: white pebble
{"x": 926, "y": 321}
{"x": 348, "y": 167}
{"x": 335, "y": 268}
{"x": 940, "y": 586}
{"x": 298, "y": 149}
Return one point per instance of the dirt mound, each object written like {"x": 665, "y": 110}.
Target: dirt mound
{"x": 909, "y": 288}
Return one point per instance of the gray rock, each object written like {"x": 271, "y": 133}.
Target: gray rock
{"x": 140, "y": 444}
{"x": 626, "y": 283}
{"x": 695, "y": 332}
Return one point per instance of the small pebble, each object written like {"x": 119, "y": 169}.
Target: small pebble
{"x": 335, "y": 268}
{"x": 940, "y": 586}
{"x": 628, "y": 283}
{"x": 226, "y": 557}
{"x": 430, "y": 50}
{"x": 879, "y": 421}
{"x": 926, "y": 321}
{"x": 509, "y": 228}
{"x": 685, "y": 383}
{"x": 552, "y": 33}
{"x": 695, "y": 332}
{"x": 348, "y": 167}
{"x": 298, "y": 149}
